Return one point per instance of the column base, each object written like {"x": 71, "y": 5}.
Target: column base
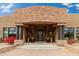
{"x": 61, "y": 42}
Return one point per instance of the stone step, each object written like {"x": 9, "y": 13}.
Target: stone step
{"x": 39, "y": 46}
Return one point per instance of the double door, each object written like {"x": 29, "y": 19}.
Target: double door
{"x": 40, "y": 34}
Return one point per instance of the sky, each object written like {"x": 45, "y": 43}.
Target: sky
{"x": 9, "y": 8}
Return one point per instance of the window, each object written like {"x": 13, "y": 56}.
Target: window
{"x": 68, "y": 32}
{"x": 77, "y": 33}
{"x": 9, "y": 31}
{"x": 12, "y": 31}
{"x": 71, "y": 32}
{"x": 5, "y": 32}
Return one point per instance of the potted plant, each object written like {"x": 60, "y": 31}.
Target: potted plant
{"x": 32, "y": 36}
{"x": 50, "y": 36}
{"x": 29, "y": 37}
{"x": 1, "y": 39}
{"x": 32, "y": 39}
{"x": 47, "y": 37}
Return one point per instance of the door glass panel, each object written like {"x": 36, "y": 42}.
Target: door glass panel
{"x": 40, "y": 33}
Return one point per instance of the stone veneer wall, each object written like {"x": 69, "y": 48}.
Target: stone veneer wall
{"x": 39, "y": 13}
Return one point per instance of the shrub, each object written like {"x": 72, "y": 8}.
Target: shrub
{"x": 71, "y": 41}
{"x": 10, "y": 39}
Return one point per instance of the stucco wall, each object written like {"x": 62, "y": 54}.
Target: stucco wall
{"x": 6, "y": 22}
{"x": 72, "y": 20}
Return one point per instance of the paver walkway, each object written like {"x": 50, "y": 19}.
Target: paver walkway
{"x": 2, "y": 45}
{"x": 39, "y": 52}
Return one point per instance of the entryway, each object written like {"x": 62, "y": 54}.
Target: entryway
{"x": 40, "y": 33}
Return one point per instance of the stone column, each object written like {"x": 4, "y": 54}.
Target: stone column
{"x": 56, "y": 33}
{"x": 24, "y": 37}
{"x": 21, "y": 32}
{"x": 19, "y": 36}
{"x": 60, "y": 32}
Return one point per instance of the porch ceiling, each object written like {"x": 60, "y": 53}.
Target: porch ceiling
{"x": 40, "y": 23}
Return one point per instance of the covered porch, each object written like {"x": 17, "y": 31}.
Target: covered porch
{"x": 40, "y": 31}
